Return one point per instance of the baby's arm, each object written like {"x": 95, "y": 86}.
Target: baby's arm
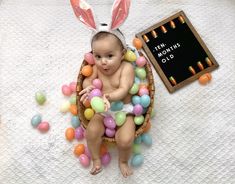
{"x": 126, "y": 82}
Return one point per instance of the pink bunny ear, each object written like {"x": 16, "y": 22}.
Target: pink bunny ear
{"x": 83, "y": 12}
{"x": 119, "y": 12}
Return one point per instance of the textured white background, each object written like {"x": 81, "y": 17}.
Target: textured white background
{"x": 42, "y": 46}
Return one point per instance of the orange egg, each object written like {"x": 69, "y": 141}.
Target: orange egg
{"x": 147, "y": 128}
{"x": 209, "y": 76}
{"x": 79, "y": 149}
{"x": 70, "y": 134}
{"x": 205, "y": 78}
{"x": 87, "y": 70}
{"x": 87, "y": 104}
{"x": 137, "y": 43}
{"x": 103, "y": 149}
{"x": 73, "y": 109}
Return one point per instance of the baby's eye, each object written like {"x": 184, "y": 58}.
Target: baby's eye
{"x": 110, "y": 55}
{"x": 97, "y": 56}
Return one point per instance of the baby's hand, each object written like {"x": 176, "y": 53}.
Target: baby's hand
{"x": 106, "y": 102}
{"x": 85, "y": 93}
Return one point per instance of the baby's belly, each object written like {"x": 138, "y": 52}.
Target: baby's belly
{"x": 126, "y": 100}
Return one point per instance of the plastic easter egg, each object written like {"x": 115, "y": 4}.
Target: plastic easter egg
{"x": 139, "y": 120}
{"x": 84, "y": 160}
{"x": 138, "y": 140}
{"x": 205, "y": 78}
{"x": 137, "y": 43}
{"x": 87, "y": 103}
{"x": 137, "y": 80}
{"x": 141, "y": 61}
{"x": 134, "y": 89}
{"x": 69, "y": 134}
{"x": 109, "y": 122}
{"x": 89, "y": 113}
{"x": 40, "y": 97}
{"x": 87, "y": 70}
{"x": 117, "y": 106}
{"x": 120, "y": 118}
{"x": 73, "y": 86}
{"x": 73, "y": 109}
{"x": 138, "y": 110}
{"x": 89, "y": 58}
{"x": 79, "y": 149}
{"x": 94, "y": 92}
{"x": 103, "y": 149}
{"x": 75, "y": 122}
{"x": 143, "y": 91}
{"x": 66, "y": 90}
{"x": 130, "y": 56}
{"x": 146, "y": 139}
{"x": 140, "y": 72}
{"x": 43, "y": 126}
{"x": 78, "y": 134}
{"x": 137, "y": 160}
{"x": 145, "y": 100}
{"x": 36, "y": 119}
{"x": 97, "y": 104}
{"x": 136, "y": 100}
{"x": 97, "y": 83}
{"x": 73, "y": 99}
{"x": 87, "y": 152}
{"x": 136, "y": 148}
{"x": 64, "y": 107}
{"x": 110, "y": 132}
{"x": 105, "y": 159}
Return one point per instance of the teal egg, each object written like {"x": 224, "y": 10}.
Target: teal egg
{"x": 97, "y": 104}
{"x": 36, "y": 120}
{"x": 139, "y": 120}
{"x": 116, "y": 106}
{"x": 136, "y": 148}
{"x": 146, "y": 139}
{"x": 145, "y": 100}
{"x": 120, "y": 118}
{"x": 136, "y": 99}
{"x": 137, "y": 140}
{"x": 134, "y": 89}
{"x": 140, "y": 72}
{"x": 40, "y": 97}
{"x": 137, "y": 80}
{"x": 75, "y": 122}
{"x": 137, "y": 160}
{"x": 72, "y": 99}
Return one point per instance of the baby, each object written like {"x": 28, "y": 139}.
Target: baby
{"x": 117, "y": 77}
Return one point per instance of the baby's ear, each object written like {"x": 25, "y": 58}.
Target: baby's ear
{"x": 84, "y": 13}
{"x": 123, "y": 53}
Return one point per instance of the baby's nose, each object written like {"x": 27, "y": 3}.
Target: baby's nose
{"x": 104, "y": 60}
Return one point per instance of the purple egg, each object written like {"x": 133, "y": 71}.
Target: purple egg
{"x": 138, "y": 110}
{"x": 109, "y": 122}
{"x": 95, "y": 92}
{"x": 110, "y": 132}
{"x": 97, "y": 83}
{"x": 105, "y": 159}
{"x": 79, "y": 133}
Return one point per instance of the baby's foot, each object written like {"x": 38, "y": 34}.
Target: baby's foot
{"x": 96, "y": 167}
{"x": 125, "y": 169}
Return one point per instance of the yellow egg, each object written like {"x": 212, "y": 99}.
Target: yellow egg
{"x": 89, "y": 113}
{"x": 130, "y": 56}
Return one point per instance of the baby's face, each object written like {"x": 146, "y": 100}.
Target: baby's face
{"x": 108, "y": 54}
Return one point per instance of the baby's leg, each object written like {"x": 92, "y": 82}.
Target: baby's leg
{"x": 94, "y": 133}
{"x": 124, "y": 138}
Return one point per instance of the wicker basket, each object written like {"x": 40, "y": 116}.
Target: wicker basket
{"x": 139, "y": 129}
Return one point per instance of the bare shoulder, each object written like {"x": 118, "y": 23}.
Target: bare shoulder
{"x": 127, "y": 66}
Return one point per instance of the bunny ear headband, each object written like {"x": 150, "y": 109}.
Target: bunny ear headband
{"x": 120, "y": 11}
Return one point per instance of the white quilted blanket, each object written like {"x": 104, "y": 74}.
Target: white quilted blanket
{"x": 42, "y": 46}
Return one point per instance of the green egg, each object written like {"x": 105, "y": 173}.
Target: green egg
{"x": 134, "y": 89}
{"x": 120, "y": 118}
{"x": 40, "y": 97}
{"x": 140, "y": 72}
{"x": 136, "y": 148}
{"x": 97, "y": 104}
{"x": 139, "y": 120}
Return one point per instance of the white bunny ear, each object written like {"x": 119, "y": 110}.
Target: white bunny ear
{"x": 120, "y": 12}
{"x": 84, "y": 13}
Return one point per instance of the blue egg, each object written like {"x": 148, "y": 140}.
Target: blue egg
{"x": 75, "y": 121}
{"x": 136, "y": 99}
{"x": 137, "y": 140}
{"x": 36, "y": 119}
{"x": 146, "y": 139}
{"x": 116, "y": 106}
{"x": 145, "y": 100}
{"x": 137, "y": 80}
{"x": 137, "y": 160}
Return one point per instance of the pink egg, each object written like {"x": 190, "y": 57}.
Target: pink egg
{"x": 87, "y": 152}
{"x": 93, "y": 93}
{"x": 105, "y": 159}
{"x": 109, "y": 122}
{"x": 79, "y": 133}
{"x": 66, "y": 90}
{"x": 141, "y": 61}
{"x": 138, "y": 110}
{"x": 97, "y": 83}
{"x": 89, "y": 58}
{"x": 43, "y": 126}
{"x": 143, "y": 91}
{"x": 110, "y": 132}
{"x": 72, "y": 86}
{"x": 84, "y": 160}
